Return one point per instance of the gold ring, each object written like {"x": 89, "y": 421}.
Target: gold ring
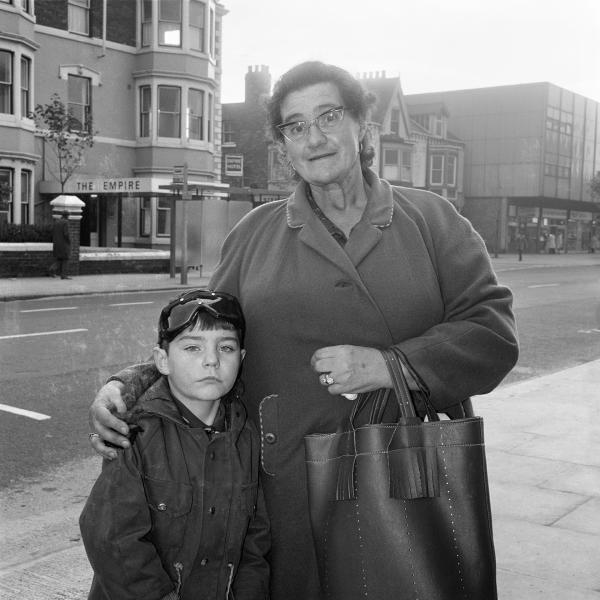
{"x": 93, "y": 434}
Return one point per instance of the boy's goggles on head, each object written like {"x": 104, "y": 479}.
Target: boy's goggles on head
{"x": 179, "y": 314}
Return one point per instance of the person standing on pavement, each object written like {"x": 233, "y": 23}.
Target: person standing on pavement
{"x": 346, "y": 266}
{"x": 179, "y": 515}
{"x": 521, "y": 244}
{"x": 61, "y": 246}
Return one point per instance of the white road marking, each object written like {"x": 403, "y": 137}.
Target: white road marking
{"x": 543, "y": 285}
{"x": 588, "y": 331}
{"x": 23, "y": 335}
{"x": 47, "y": 309}
{"x": 130, "y": 303}
{"x": 24, "y": 413}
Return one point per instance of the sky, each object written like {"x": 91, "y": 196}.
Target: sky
{"x": 432, "y": 45}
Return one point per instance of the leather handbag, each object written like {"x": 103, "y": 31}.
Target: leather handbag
{"x": 401, "y": 511}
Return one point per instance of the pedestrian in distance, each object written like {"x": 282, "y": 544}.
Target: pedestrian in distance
{"x": 521, "y": 245}
{"x": 346, "y": 266}
{"x": 551, "y": 244}
{"x": 179, "y": 514}
{"x": 61, "y": 246}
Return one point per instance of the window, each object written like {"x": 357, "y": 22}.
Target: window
{"x": 163, "y": 216}
{"x": 228, "y": 133}
{"x": 438, "y": 126}
{"x": 79, "y": 16}
{"x": 451, "y": 170}
{"x": 25, "y": 5}
{"x": 209, "y": 118}
{"x": 145, "y": 108}
{"x": 196, "y": 114}
{"x": 145, "y": 217}
{"x": 5, "y": 195}
{"x": 197, "y": 11}
{"x": 25, "y": 86}
{"x": 169, "y": 102}
{"x": 79, "y": 105}
{"x": 406, "y": 167}
{"x": 390, "y": 157}
{"x": 25, "y": 195}
{"x": 395, "y": 121}
{"x": 169, "y": 22}
{"x": 436, "y": 174}
{"x": 5, "y": 82}
{"x": 147, "y": 23}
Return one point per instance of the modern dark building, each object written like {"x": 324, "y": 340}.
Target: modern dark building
{"x": 530, "y": 153}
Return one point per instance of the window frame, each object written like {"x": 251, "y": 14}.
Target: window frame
{"x": 86, "y": 106}
{"x": 9, "y": 203}
{"x": 439, "y": 170}
{"x": 78, "y": 7}
{"x": 201, "y": 47}
{"x": 195, "y": 118}
{"x": 161, "y": 20}
{"x": 160, "y": 111}
{"x": 145, "y": 116}
{"x": 26, "y": 178}
{"x": 145, "y": 217}
{"x": 146, "y": 24}
{"x": 25, "y": 96}
{"x": 451, "y": 159}
{"x": 161, "y": 210}
{"x": 8, "y": 85}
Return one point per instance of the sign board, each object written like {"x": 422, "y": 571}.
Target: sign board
{"x": 109, "y": 186}
{"x": 234, "y": 165}
{"x": 178, "y": 174}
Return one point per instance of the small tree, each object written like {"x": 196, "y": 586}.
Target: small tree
{"x": 68, "y": 137}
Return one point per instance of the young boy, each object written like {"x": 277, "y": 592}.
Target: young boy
{"x": 179, "y": 516}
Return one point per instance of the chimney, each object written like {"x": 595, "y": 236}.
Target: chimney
{"x": 258, "y": 83}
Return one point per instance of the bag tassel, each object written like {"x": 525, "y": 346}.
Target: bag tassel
{"x": 345, "y": 489}
{"x": 413, "y": 473}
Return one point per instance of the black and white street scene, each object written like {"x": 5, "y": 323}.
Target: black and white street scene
{"x": 299, "y": 300}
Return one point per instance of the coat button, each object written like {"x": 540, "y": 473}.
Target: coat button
{"x": 270, "y": 438}
{"x": 212, "y": 510}
{"x": 204, "y": 562}
{"x": 162, "y": 506}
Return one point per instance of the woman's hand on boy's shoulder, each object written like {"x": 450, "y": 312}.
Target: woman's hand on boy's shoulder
{"x": 107, "y": 403}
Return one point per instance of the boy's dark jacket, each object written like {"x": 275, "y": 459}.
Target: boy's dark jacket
{"x": 176, "y": 502}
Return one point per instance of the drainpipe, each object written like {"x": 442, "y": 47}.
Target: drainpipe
{"x": 104, "y": 11}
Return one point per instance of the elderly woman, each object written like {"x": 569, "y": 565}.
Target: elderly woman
{"x": 345, "y": 266}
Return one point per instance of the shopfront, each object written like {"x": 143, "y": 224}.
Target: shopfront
{"x": 572, "y": 230}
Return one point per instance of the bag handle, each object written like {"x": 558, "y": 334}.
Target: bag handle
{"x": 379, "y": 398}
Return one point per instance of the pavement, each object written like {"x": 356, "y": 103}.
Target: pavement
{"x": 543, "y": 452}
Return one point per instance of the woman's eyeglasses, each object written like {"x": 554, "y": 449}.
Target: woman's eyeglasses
{"x": 179, "y": 314}
{"x": 296, "y": 131}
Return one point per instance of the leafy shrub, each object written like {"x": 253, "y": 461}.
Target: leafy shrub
{"x": 9, "y": 232}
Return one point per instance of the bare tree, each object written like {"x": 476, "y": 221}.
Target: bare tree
{"x": 66, "y": 135}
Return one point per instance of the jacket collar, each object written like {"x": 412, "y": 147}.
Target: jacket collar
{"x": 379, "y": 210}
{"x": 158, "y": 401}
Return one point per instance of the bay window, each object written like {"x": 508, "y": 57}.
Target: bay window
{"x": 6, "y": 82}
{"x": 169, "y": 22}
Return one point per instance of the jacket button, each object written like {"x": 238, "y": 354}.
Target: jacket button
{"x": 270, "y": 438}
{"x": 162, "y": 506}
{"x": 212, "y": 510}
{"x": 212, "y": 456}
{"x": 204, "y": 562}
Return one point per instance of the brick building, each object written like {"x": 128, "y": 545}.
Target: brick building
{"x": 148, "y": 73}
